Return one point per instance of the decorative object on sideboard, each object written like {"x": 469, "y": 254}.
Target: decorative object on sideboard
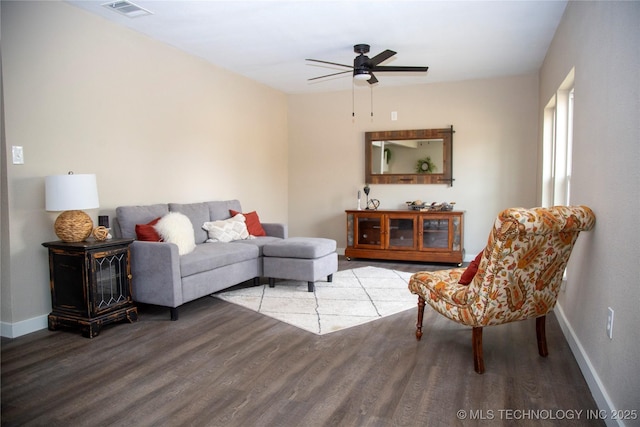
{"x": 71, "y": 194}
{"x": 373, "y": 204}
{"x": 416, "y": 205}
{"x": 367, "y": 189}
{"x": 359, "y": 207}
{"x": 101, "y": 233}
{"x": 419, "y": 205}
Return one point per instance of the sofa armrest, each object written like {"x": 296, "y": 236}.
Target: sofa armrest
{"x": 274, "y": 229}
{"x": 155, "y": 267}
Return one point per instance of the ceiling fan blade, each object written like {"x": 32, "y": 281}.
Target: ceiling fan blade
{"x": 399, "y": 68}
{"x": 381, "y": 57}
{"x": 373, "y": 79}
{"x": 329, "y": 75}
{"x": 327, "y": 62}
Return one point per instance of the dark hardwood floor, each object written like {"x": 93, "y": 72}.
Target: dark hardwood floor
{"x": 223, "y": 365}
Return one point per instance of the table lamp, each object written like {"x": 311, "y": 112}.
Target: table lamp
{"x": 72, "y": 193}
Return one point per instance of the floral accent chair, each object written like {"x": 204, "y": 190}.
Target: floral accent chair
{"x": 519, "y": 274}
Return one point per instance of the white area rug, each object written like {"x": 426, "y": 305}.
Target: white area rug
{"x": 354, "y": 297}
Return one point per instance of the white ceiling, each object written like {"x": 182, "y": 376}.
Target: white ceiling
{"x": 268, "y": 40}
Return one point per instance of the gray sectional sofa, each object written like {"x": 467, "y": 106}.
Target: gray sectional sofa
{"x": 163, "y": 277}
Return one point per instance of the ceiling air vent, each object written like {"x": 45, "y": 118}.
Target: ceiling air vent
{"x": 127, "y": 8}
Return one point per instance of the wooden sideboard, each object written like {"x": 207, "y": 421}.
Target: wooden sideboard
{"x": 432, "y": 236}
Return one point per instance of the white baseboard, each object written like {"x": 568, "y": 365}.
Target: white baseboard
{"x": 14, "y": 330}
{"x": 598, "y": 391}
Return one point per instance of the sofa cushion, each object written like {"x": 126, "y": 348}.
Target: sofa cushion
{"x": 259, "y": 242}
{"x": 208, "y": 256}
{"x": 129, "y": 216}
{"x": 176, "y": 228}
{"x": 227, "y": 230}
{"x": 198, "y": 213}
{"x": 147, "y": 232}
{"x": 220, "y": 209}
{"x": 253, "y": 222}
{"x": 300, "y": 247}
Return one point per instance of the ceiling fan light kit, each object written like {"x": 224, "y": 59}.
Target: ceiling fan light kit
{"x": 363, "y": 66}
{"x": 361, "y": 75}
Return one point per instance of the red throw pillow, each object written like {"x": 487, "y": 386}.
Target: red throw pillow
{"x": 253, "y": 222}
{"x": 471, "y": 270}
{"x": 147, "y": 232}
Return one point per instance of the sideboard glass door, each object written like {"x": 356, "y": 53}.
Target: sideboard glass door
{"x": 435, "y": 232}
{"x": 369, "y": 231}
{"x": 402, "y": 232}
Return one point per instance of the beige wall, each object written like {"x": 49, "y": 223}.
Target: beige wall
{"x": 601, "y": 40}
{"x": 155, "y": 125}
{"x": 494, "y": 151}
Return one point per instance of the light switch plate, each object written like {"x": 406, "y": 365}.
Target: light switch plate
{"x": 18, "y": 155}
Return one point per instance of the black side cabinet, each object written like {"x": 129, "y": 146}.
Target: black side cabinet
{"x": 90, "y": 284}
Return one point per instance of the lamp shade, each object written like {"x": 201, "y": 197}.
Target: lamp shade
{"x": 71, "y": 192}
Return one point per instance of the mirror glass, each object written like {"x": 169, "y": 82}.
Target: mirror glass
{"x": 421, "y": 156}
{"x": 407, "y": 156}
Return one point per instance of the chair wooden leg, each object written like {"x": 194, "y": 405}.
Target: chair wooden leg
{"x": 542, "y": 336}
{"x": 478, "y": 361}
{"x": 420, "y": 316}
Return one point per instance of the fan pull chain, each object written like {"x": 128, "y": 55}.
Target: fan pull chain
{"x": 371, "y": 87}
{"x": 353, "y": 99}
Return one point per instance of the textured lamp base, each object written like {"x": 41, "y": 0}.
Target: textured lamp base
{"x": 73, "y": 226}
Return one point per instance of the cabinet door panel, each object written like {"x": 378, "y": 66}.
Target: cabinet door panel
{"x": 111, "y": 284}
{"x": 368, "y": 231}
{"x": 70, "y": 294}
{"x": 402, "y": 232}
{"x": 435, "y": 232}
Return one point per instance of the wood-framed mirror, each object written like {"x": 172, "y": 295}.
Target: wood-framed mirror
{"x": 419, "y": 156}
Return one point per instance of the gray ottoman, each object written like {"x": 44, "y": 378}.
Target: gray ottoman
{"x": 300, "y": 258}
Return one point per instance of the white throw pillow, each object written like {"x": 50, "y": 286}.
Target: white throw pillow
{"x": 227, "y": 230}
{"x": 176, "y": 227}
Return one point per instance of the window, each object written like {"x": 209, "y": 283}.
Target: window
{"x": 557, "y": 144}
{"x": 557, "y": 141}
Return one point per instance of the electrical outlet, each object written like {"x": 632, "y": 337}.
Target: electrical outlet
{"x": 610, "y": 323}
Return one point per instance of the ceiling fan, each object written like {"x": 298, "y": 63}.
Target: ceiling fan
{"x": 363, "y": 66}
